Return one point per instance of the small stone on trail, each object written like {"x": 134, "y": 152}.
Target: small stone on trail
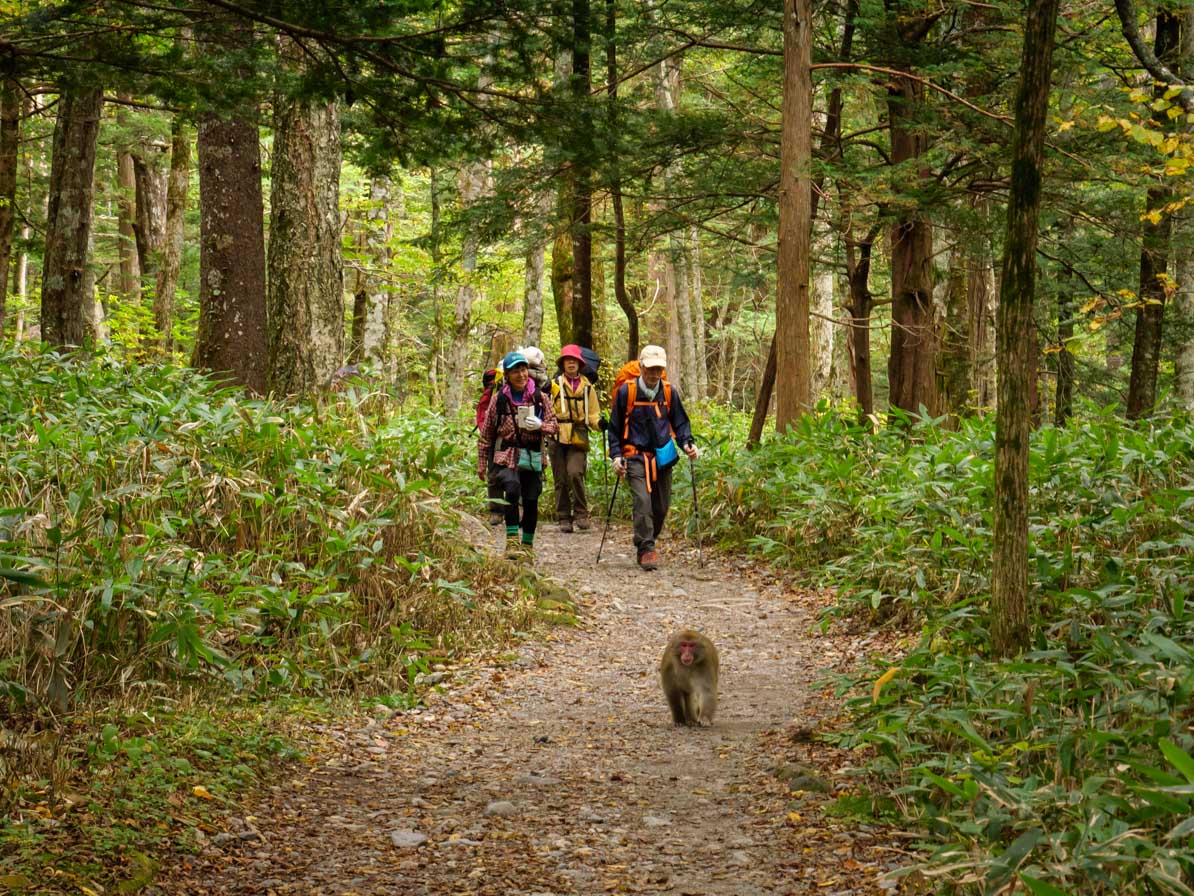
{"x": 430, "y": 678}
{"x": 407, "y": 839}
{"x": 501, "y": 809}
{"x": 538, "y": 780}
{"x": 653, "y": 821}
{"x": 679, "y": 592}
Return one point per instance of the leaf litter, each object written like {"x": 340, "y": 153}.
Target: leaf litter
{"x": 559, "y": 771}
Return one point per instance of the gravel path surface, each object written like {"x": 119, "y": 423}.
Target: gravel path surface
{"x": 559, "y": 771}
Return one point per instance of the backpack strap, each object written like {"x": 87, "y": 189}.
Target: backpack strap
{"x": 631, "y": 394}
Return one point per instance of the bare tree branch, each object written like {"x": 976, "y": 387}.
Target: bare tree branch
{"x": 1153, "y": 65}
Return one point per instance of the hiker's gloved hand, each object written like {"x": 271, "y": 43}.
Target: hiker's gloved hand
{"x": 620, "y": 466}
{"x": 483, "y": 473}
{"x": 532, "y": 423}
{"x": 692, "y": 451}
{"x": 603, "y": 423}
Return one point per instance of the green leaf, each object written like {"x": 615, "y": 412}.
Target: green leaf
{"x": 1040, "y": 888}
{"x": 1179, "y": 758}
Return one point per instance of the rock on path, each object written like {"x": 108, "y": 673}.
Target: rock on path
{"x": 561, "y": 773}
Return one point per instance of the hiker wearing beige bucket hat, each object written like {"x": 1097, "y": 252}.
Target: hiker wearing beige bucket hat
{"x": 646, "y": 423}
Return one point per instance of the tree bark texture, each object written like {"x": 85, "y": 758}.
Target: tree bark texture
{"x": 1183, "y": 253}
{"x": 305, "y": 261}
{"x": 538, "y": 237}
{"x": 177, "y": 182}
{"x": 912, "y": 365}
{"x": 375, "y": 339}
{"x": 957, "y": 386}
{"x": 129, "y": 285}
{"x": 763, "y": 397}
{"x": 672, "y": 269}
{"x": 858, "y": 275}
{"x": 66, "y": 286}
{"x": 830, "y": 148}
{"x": 696, "y": 288}
{"x": 582, "y": 193}
{"x": 561, "y": 283}
{"x": 231, "y": 340}
{"x": 151, "y": 178}
{"x": 615, "y": 187}
{"x": 1009, "y": 578}
{"x": 793, "y": 375}
{"x": 473, "y": 182}
{"x": 10, "y": 131}
{"x": 1154, "y": 255}
{"x": 821, "y": 324}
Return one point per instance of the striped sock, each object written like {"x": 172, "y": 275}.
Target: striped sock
{"x": 511, "y": 531}
{"x": 528, "y": 537}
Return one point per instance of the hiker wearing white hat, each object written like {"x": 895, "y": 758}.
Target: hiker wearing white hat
{"x": 645, "y": 424}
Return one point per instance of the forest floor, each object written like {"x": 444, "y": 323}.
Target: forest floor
{"x": 557, "y": 770}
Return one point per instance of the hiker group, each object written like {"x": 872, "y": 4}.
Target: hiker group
{"x": 524, "y": 413}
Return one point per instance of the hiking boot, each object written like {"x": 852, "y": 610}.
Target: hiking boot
{"x": 513, "y": 548}
{"x": 566, "y": 525}
{"x": 526, "y": 554}
{"x": 582, "y": 523}
{"x": 648, "y": 560}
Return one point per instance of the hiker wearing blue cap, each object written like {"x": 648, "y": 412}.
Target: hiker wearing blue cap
{"x": 515, "y": 423}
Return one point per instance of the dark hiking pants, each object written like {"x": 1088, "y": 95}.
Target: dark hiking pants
{"x": 650, "y": 507}
{"x": 568, "y": 465}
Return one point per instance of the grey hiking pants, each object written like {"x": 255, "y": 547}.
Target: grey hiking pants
{"x": 650, "y": 507}
{"x": 568, "y": 465}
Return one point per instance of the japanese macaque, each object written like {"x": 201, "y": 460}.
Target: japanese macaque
{"x": 688, "y": 673}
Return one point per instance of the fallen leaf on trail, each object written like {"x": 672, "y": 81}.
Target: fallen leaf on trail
{"x": 202, "y": 792}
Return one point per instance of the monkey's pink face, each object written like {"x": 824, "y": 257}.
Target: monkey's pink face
{"x": 688, "y": 652}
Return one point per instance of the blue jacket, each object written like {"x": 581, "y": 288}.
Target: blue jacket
{"x": 648, "y": 429}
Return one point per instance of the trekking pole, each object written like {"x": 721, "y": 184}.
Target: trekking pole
{"x": 696, "y": 510}
{"x": 608, "y": 513}
{"x": 604, "y": 460}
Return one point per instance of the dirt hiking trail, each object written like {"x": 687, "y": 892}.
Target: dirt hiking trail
{"x": 561, "y": 772}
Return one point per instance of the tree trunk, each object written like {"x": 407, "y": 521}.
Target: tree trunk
{"x": 129, "y": 285}
{"x": 1183, "y": 253}
{"x": 152, "y": 187}
{"x": 793, "y": 374}
{"x": 1009, "y": 575}
{"x": 582, "y": 194}
{"x": 980, "y": 287}
{"x": 305, "y": 261}
{"x": 685, "y": 331}
{"x": 538, "y": 236}
{"x": 231, "y": 339}
{"x": 763, "y": 398}
{"x": 66, "y": 286}
{"x": 696, "y": 290}
{"x": 858, "y": 275}
{"x": 821, "y": 324}
{"x": 1063, "y": 407}
{"x": 615, "y": 187}
{"x": 177, "y": 183}
{"x": 831, "y": 148}
{"x": 561, "y": 283}
{"x": 473, "y": 182}
{"x": 1154, "y": 254}
{"x": 671, "y": 268}
{"x": 379, "y": 229}
{"x": 911, "y": 368}
{"x": 957, "y": 387}
{"x": 10, "y": 130}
